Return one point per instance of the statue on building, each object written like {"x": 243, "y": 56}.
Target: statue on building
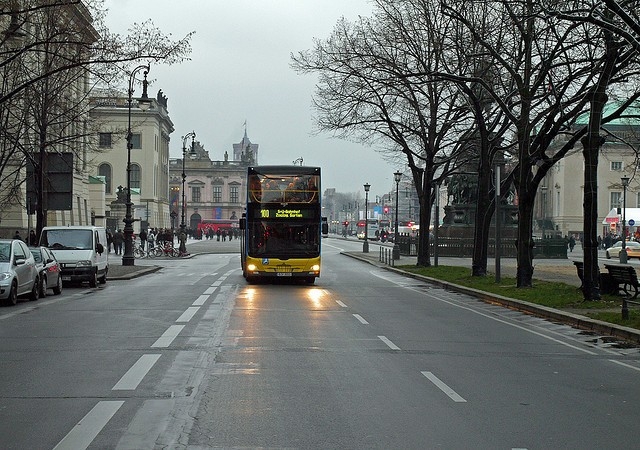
{"x": 226, "y": 156}
{"x": 162, "y": 99}
{"x": 121, "y": 195}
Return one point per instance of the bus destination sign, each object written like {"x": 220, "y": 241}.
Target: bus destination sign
{"x": 285, "y": 213}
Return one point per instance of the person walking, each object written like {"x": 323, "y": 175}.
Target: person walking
{"x": 33, "y": 239}
{"x": 143, "y": 239}
{"x": 118, "y": 240}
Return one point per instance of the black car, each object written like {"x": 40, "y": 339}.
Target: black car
{"x": 49, "y": 269}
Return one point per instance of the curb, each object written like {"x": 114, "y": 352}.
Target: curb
{"x": 135, "y": 274}
{"x": 574, "y": 320}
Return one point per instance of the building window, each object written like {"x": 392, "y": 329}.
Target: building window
{"x": 136, "y": 176}
{"x": 616, "y": 166}
{"x": 136, "y": 140}
{"x": 217, "y": 194}
{"x": 104, "y": 140}
{"x": 195, "y": 194}
{"x": 616, "y": 200}
{"x": 233, "y": 194}
{"x": 104, "y": 170}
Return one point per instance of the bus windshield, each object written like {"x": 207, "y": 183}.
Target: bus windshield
{"x": 283, "y": 188}
{"x": 273, "y": 239}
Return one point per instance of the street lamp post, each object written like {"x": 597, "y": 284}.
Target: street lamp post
{"x": 396, "y": 248}
{"x": 183, "y": 234}
{"x": 623, "y": 252}
{"x": 365, "y": 246}
{"x": 144, "y": 103}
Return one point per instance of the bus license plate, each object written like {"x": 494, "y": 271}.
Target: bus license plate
{"x": 283, "y": 274}
{"x": 66, "y": 278}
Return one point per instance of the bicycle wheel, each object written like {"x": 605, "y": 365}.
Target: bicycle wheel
{"x": 138, "y": 252}
{"x": 157, "y": 251}
{"x": 174, "y": 252}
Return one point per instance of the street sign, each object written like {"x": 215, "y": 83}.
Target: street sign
{"x": 631, "y": 222}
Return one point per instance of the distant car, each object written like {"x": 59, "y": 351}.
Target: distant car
{"x": 18, "y": 273}
{"x": 49, "y": 270}
{"x": 633, "y": 250}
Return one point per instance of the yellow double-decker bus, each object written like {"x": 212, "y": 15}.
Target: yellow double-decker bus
{"x": 282, "y": 227}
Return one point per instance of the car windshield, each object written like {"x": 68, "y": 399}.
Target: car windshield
{"x": 71, "y": 239}
{"x": 5, "y": 251}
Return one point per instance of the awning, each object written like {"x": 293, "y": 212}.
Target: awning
{"x": 632, "y": 216}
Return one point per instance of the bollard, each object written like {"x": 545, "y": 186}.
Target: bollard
{"x": 625, "y": 309}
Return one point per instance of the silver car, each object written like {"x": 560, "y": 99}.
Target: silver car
{"x": 18, "y": 273}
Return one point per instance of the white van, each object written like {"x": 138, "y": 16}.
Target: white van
{"x": 80, "y": 250}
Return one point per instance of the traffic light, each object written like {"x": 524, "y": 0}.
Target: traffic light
{"x": 386, "y": 209}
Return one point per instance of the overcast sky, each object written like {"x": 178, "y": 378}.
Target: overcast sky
{"x": 240, "y": 70}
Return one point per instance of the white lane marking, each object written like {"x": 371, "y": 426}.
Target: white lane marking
{"x": 443, "y": 387}
{"x": 341, "y": 304}
{"x": 361, "y": 319}
{"x": 390, "y": 344}
{"x": 168, "y": 336}
{"x": 200, "y": 300}
{"x": 188, "y": 314}
{"x": 625, "y": 365}
{"x": 81, "y": 436}
{"x": 514, "y": 325}
{"x": 138, "y": 371}
{"x": 216, "y": 283}
{"x": 210, "y": 291}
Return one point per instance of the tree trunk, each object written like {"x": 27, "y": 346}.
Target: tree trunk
{"x": 484, "y": 213}
{"x": 524, "y": 243}
{"x": 424, "y": 198}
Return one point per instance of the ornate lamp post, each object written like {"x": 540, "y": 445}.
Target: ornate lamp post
{"x": 183, "y": 234}
{"x": 365, "y": 246}
{"x": 623, "y": 252}
{"x": 396, "y": 248}
{"x": 144, "y": 103}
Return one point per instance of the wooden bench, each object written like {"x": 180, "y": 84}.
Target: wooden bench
{"x": 625, "y": 278}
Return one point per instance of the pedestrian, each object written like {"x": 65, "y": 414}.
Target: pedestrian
{"x": 17, "y": 235}
{"x": 572, "y": 242}
{"x": 151, "y": 238}
{"x": 33, "y": 239}
{"x": 109, "y": 241}
{"x": 143, "y": 239}
{"x": 118, "y": 240}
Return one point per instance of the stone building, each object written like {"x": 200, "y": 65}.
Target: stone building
{"x": 215, "y": 189}
{"x": 151, "y": 130}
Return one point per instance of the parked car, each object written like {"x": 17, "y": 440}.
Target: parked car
{"x": 49, "y": 270}
{"x": 18, "y": 273}
{"x": 633, "y": 250}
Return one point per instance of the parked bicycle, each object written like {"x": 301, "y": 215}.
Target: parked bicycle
{"x": 139, "y": 252}
{"x": 166, "y": 249}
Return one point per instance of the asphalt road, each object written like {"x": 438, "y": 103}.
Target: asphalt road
{"x": 190, "y": 356}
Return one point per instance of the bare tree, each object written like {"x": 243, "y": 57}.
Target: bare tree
{"x": 548, "y": 69}
{"x": 364, "y": 93}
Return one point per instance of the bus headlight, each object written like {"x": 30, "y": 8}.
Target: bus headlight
{"x": 251, "y": 267}
{"x": 316, "y": 267}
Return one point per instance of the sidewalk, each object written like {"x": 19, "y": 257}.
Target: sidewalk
{"x": 560, "y": 270}
{"x": 145, "y": 266}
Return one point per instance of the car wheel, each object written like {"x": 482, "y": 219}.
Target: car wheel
{"x": 35, "y": 290}
{"x": 13, "y": 295}
{"x": 103, "y": 279}
{"x": 608, "y": 255}
{"x": 57, "y": 289}
{"x": 93, "y": 282}
{"x": 43, "y": 287}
